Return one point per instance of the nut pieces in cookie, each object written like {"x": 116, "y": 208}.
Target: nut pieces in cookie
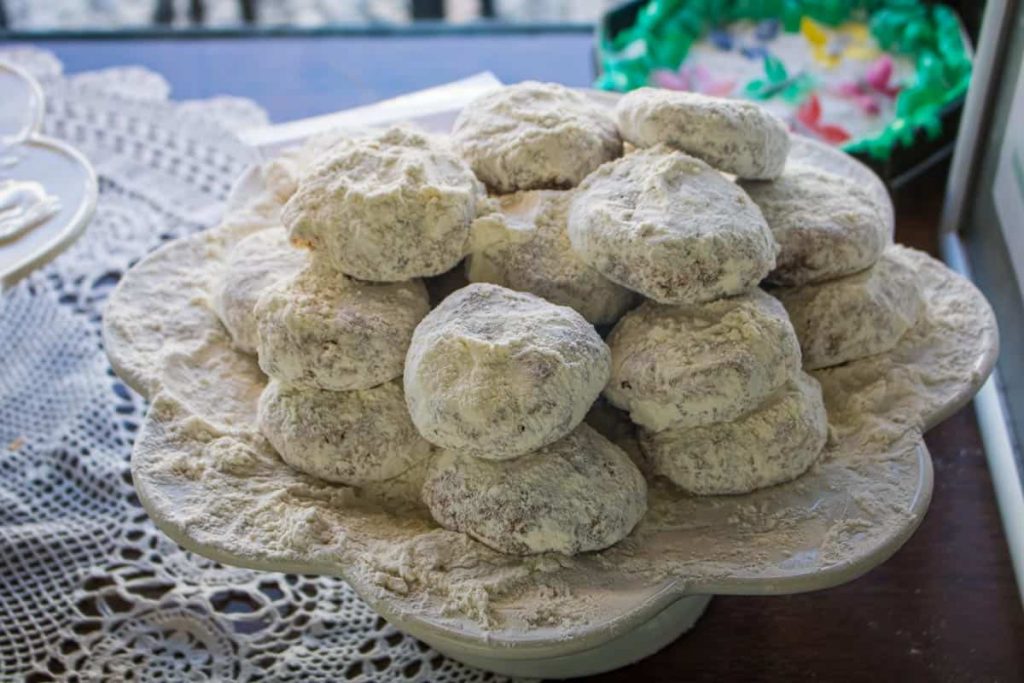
{"x": 347, "y": 437}
{"x": 253, "y": 264}
{"x": 686, "y": 366}
{"x": 826, "y": 225}
{"x": 524, "y": 245}
{"x": 776, "y": 442}
{"x": 855, "y": 316}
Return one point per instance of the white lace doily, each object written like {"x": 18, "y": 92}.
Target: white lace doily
{"x": 89, "y": 589}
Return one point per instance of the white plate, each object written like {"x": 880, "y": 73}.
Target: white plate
{"x": 27, "y": 155}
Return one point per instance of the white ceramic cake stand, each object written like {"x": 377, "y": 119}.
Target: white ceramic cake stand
{"x": 26, "y": 155}
{"x": 200, "y": 450}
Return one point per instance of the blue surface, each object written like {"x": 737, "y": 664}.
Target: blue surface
{"x": 293, "y": 77}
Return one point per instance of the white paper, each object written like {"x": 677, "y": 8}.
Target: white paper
{"x": 440, "y": 101}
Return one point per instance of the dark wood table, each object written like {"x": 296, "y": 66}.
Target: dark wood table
{"x": 944, "y": 608}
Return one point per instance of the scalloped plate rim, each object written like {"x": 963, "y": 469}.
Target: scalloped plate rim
{"x": 29, "y": 136}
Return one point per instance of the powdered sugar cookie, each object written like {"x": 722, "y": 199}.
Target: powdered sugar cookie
{"x": 826, "y": 225}
{"x": 255, "y": 263}
{"x": 534, "y": 136}
{"x": 670, "y": 227}
{"x": 821, "y": 155}
{"x": 855, "y": 316}
{"x": 525, "y": 246}
{"x": 685, "y": 366}
{"x": 772, "y": 444}
{"x": 320, "y": 329}
{"x": 734, "y": 136}
{"x": 495, "y": 373}
{"x": 391, "y": 206}
{"x": 577, "y": 494}
{"x": 347, "y": 437}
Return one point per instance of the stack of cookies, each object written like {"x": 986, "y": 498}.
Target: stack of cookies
{"x": 632, "y": 222}
{"x": 331, "y": 322}
{"x": 710, "y": 366}
{"x": 501, "y": 381}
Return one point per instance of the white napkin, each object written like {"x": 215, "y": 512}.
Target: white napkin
{"x": 422, "y": 106}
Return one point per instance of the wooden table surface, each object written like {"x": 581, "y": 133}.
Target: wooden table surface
{"x": 944, "y": 608}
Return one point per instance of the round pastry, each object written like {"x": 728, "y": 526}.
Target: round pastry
{"x": 525, "y": 246}
{"x": 856, "y": 316}
{"x": 320, "y": 329}
{"x": 734, "y": 136}
{"x": 577, "y": 494}
{"x": 534, "y": 136}
{"x": 670, "y": 227}
{"x": 347, "y": 437}
{"x": 253, "y": 265}
{"x": 282, "y": 174}
{"x": 826, "y": 225}
{"x": 495, "y": 373}
{"x": 821, "y": 155}
{"x": 685, "y": 366}
{"x": 394, "y": 206}
{"x": 774, "y": 443}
